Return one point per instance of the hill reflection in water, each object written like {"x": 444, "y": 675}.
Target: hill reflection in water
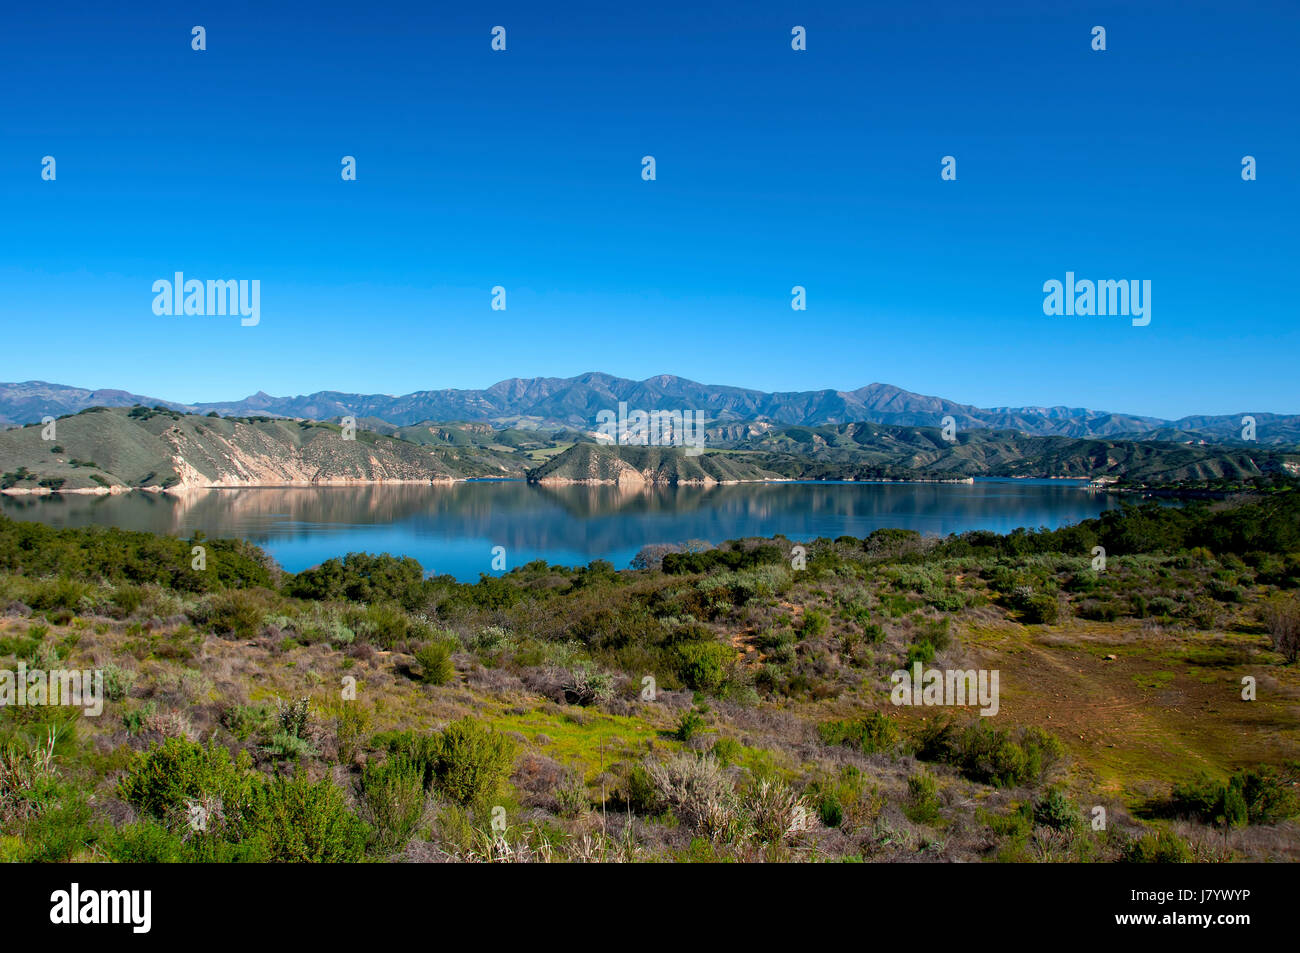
{"x": 452, "y": 529}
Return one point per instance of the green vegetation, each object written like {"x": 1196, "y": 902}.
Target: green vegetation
{"x": 592, "y": 463}
{"x": 1259, "y": 795}
{"x": 137, "y": 448}
{"x": 102, "y": 448}
{"x": 717, "y": 704}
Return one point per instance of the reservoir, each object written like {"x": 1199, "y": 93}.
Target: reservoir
{"x": 453, "y": 529}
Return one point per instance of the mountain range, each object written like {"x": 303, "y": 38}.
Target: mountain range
{"x": 574, "y": 402}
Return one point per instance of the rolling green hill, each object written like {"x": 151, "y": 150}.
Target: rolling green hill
{"x": 865, "y": 451}
{"x": 873, "y": 451}
{"x": 105, "y": 449}
{"x": 644, "y": 466}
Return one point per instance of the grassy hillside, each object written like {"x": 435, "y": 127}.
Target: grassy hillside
{"x": 654, "y": 466}
{"x": 360, "y": 710}
{"x": 510, "y": 450}
{"x": 158, "y": 448}
{"x": 105, "y": 448}
{"x": 870, "y": 451}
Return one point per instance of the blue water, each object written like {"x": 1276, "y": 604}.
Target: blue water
{"x": 453, "y": 529}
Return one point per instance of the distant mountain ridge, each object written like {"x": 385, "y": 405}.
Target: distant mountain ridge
{"x": 574, "y": 402}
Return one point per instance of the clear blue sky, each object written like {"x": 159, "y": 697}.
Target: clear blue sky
{"x": 775, "y": 168}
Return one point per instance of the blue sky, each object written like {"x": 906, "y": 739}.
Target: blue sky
{"x": 775, "y": 168}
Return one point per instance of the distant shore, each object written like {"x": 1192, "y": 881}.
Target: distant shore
{"x": 182, "y": 489}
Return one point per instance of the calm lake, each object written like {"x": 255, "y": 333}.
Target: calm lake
{"x": 452, "y": 529}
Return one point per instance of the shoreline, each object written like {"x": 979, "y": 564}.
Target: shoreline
{"x": 183, "y": 489}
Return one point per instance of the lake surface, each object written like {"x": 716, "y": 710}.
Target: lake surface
{"x": 452, "y": 529}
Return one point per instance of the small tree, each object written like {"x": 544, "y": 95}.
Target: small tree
{"x": 436, "y": 667}
{"x": 471, "y": 761}
{"x": 1281, "y": 616}
{"x": 652, "y": 556}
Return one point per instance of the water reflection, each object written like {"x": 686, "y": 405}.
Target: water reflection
{"x": 453, "y": 528}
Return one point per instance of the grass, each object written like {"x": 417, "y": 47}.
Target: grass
{"x": 1139, "y": 704}
{"x": 585, "y": 742}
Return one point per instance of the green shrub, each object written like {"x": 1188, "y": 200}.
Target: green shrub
{"x": 1224, "y": 591}
{"x": 922, "y": 652}
{"x": 118, "y": 681}
{"x": 995, "y": 756}
{"x": 471, "y": 761}
{"x": 144, "y": 842}
{"x": 384, "y": 624}
{"x": 1040, "y": 610}
{"x": 873, "y": 633}
{"x": 134, "y": 721}
{"x": 1160, "y": 847}
{"x": 420, "y": 749}
{"x": 1269, "y": 796}
{"x": 61, "y": 593}
{"x": 58, "y": 833}
{"x": 361, "y": 577}
{"x": 814, "y": 624}
{"x": 350, "y": 724}
{"x": 1054, "y": 809}
{"x": 162, "y": 781}
{"x": 689, "y": 725}
{"x": 830, "y": 809}
{"x": 232, "y": 612}
{"x": 246, "y": 721}
{"x": 637, "y": 790}
{"x": 290, "y": 747}
{"x": 922, "y": 804}
{"x": 127, "y": 599}
{"x": 1096, "y": 610}
{"x": 703, "y": 665}
{"x": 777, "y": 646}
{"x": 733, "y": 559}
{"x": 1258, "y": 795}
{"x": 301, "y": 822}
{"x": 727, "y": 751}
{"x": 938, "y": 632}
{"x": 434, "y": 659}
{"x": 392, "y": 795}
{"x": 872, "y": 732}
